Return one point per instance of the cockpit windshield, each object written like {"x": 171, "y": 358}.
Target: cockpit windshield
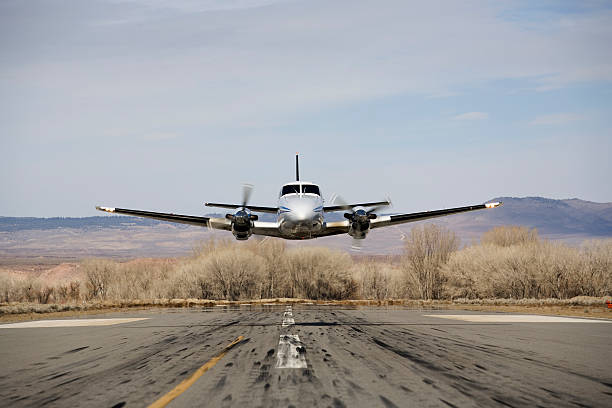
{"x": 310, "y": 189}
{"x": 291, "y": 189}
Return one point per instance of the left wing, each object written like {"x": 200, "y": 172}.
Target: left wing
{"x": 386, "y": 220}
{"x": 217, "y": 223}
{"x": 259, "y": 227}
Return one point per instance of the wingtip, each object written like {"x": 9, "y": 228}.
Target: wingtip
{"x": 107, "y": 209}
{"x": 493, "y": 205}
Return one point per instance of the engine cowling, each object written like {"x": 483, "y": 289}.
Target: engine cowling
{"x": 242, "y": 223}
{"x": 359, "y": 222}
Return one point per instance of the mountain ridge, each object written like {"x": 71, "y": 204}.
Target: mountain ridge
{"x": 550, "y": 216}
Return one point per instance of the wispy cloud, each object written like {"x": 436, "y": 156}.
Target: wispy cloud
{"x": 285, "y": 59}
{"x": 272, "y": 77}
{"x": 556, "y": 119}
{"x": 472, "y": 116}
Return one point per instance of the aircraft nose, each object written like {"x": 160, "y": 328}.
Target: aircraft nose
{"x": 303, "y": 214}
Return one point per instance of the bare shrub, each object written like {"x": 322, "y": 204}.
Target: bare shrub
{"x": 235, "y": 273}
{"x": 510, "y": 235}
{"x": 188, "y": 282}
{"x": 426, "y": 251}
{"x": 74, "y": 291}
{"x": 45, "y": 293}
{"x": 140, "y": 279}
{"x": 431, "y": 268}
{"x": 99, "y": 274}
{"x": 11, "y": 289}
{"x": 596, "y": 275}
{"x": 62, "y": 293}
{"x": 30, "y": 290}
{"x": 377, "y": 280}
{"x": 535, "y": 270}
{"x": 276, "y": 276}
{"x": 320, "y": 273}
{"x": 67, "y": 292}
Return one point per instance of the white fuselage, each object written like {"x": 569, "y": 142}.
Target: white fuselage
{"x": 300, "y": 210}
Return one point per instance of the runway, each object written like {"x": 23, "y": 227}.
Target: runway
{"x": 307, "y": 355}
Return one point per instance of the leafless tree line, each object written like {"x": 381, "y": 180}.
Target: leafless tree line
{"x": 509, "y": 262}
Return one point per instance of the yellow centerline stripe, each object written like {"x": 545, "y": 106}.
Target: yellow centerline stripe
{"x": 186, "y": 383}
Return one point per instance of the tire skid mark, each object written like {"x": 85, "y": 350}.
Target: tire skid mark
{"x": 343, "y": 340}
{"x": 187, "y": 383}
{"x": 419, "y": 359}
{"x": 118, "y": 373}
{"x": 477, "y": 378}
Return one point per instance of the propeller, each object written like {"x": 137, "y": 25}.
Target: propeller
{"x": 247, "y": 189}
{"x": 243, "y": 215}
{"x": 340, "y": 202}
{"x": 358, "y": 216}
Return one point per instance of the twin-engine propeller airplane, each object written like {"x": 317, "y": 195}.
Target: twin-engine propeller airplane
{"x": 300, "y": 215}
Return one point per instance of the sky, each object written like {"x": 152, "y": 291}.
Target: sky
{"x": 163, "y": 105}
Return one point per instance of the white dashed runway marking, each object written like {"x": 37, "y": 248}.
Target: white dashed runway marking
{"x": 70, "y": 323}
{"x": 290, "y": 349}
{"x": 288, "y": 318}
{"x": 290, "y": 352}
{"x": 503, "y": 318}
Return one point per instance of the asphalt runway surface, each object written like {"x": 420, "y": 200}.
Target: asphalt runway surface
{"x": 307, "y": 355}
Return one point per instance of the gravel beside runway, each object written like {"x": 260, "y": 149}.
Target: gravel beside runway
{"x": 309, "y": 355}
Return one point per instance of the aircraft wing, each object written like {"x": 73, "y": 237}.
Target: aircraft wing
{"x": 334, "y": 228}
{"x": 386, "y": 220}
{"x": 269, "y": 229}
{"x": 217, "y": 223}
{"x": 255, "y": 208}
{"x": 349, "y": 206}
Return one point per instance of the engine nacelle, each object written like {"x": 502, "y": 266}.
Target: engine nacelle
{"x": 242, "y": 223}
{"x": 359, "y": 223}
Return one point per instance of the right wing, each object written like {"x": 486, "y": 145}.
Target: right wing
{"x": 334, "y": 228}
{"x": 217, "y": 223}
{"x": 349, "y": 206}
{"x": 386, "y": 220}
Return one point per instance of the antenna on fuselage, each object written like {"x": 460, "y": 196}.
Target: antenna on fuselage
{"x": 297, "y": 167}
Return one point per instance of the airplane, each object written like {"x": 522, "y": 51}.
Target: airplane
{"x": 300, "y": 215}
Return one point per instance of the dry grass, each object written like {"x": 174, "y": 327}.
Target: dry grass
{"x": 510, "y": 264}
{"x": 531, "y": 270}
{"x": 510, "y": 235}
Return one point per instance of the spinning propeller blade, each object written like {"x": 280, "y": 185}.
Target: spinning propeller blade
{"x": 247, "y": 189}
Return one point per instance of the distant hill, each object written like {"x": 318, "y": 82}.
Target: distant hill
{"x": 570, "y": 220}
{"x": 571, "y": 217}
{"x": 549, "y": 216}
{"x": 8, "y": 224}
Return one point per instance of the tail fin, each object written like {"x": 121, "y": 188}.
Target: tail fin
{"x": 297, "y": 167}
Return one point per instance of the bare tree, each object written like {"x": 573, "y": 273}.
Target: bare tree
{"x": 426, "y": 251}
